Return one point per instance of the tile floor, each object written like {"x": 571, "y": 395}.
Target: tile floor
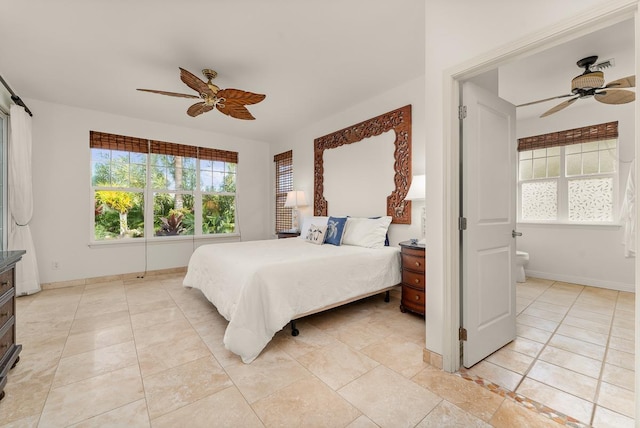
{"x": 574, "y": 352}
{"x": 149, "y": 352}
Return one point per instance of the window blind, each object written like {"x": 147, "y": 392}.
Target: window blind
{"x": 602, "y": 131}
{"x": 284, "y": 183}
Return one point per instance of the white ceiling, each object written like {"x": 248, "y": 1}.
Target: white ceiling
{"x": 311, "y": 58}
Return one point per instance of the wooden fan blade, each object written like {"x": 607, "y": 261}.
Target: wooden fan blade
{"x": 235, "y": 110}
{"x": 546, "y": 99}
{"x": 198, "y": 109}
{"x": 625, "y": 82}
{"x": 195, "y": 82}
{"x": 173, "y": 94}
{"x": 238, "y": 96}
{"x": 615, "y": 96}
{"x": 559, "y": 107}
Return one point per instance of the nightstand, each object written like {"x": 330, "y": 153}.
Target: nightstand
{"x": 413, "y": 277}
{"x": 288, "y": 234}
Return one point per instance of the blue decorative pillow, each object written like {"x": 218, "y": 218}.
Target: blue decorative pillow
{"x": 335, "y": 230}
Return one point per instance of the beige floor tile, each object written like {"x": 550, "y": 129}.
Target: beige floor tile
{"x": 24, "y": 399}
{"x": 311, "y": 399}
{"x": 551, "y": 307}
{"x": 623, "y": 322}
{"x": 583, "y": 334}
{"x": 525, "y": 346}
{"x": 511, "y": 360}
{"x": 619, "y": 376}
{"x": 130, "y": 415}
{"x": 465, "y": 394}
{"x": 592, "y": 316}
{"x": 446, "y": 414}
{"x": 172, "y": 389}
{"x": 543, "y": 314}
{"x": 625, "y": 333}
{"x": 587, "y": 324}
{"x": 310, "y": 339}
{"x": 618, "y": 399}
{"x": 555, "y": 399}
{"x": 359, "y": 334}
{"x": 532, "y": 333}
{"x": 621, "y": 344}
{"x": 578, "y": 346}
{"x": 82, "y": 400}
{"x": 268, "y": 373}
{"x": 512, "y": 414}
{"x": 96, "y": 339}
{"x": 93, "y": 363}
{"x": 337, "y": 365}
{"x": 225, "y": 409}
{"x": 536, "y": 322}
{"x": 171, "y": 353}
{"x": 398, "y": 354}
{"x": 362, "y": 422}
{"x": 158, "y": 316}
{"x": 578, "y": 363}
{"x": 389, "y": 399}
{"x": 621, "y": 359}
{"x": 600, "y": 308}
{"x": 565, "y": 380}
{"x": 100, "y": 321}
{"x": 496, "y": 374}
{"x": 606, "y": 418}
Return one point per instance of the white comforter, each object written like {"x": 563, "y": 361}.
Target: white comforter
{"x": 259, "y": 286}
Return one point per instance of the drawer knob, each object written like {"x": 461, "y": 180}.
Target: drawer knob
{"x": 3, "y": 283}
{"x": 417, "y": 281}
{"x": 3, "y": 314}
{"x": 417, "y": 297}
{"x": 418, "y": 264}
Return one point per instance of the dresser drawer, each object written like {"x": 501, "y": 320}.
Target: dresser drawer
{"x": 6, "y": 281}
{"x": 412, "y": 262}
{"x": 6, "y": 307}
{"x": 413, "y": 300}
{"x": 413, "y": 279}
{"x": 6, "y": 339}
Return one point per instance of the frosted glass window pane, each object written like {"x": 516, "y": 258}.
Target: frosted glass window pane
{"x": 590, "y": 163}
{"x": 591, "y": 199}
{"x": 608, "y": 144}
{"x": 526, "y": 170}
{"x": 539, "y": 200}
{"x": 574, "y": 164}
{"x": 540, "y": 168}
{"x": 607, "y": 161}
{"x": 553, "y": 166}
{"x": 553, "y": 151}
{"x": 573, "y": 148}
{"x": 525, "y": 155}
{"x": 540, "y": 153}
{"x": 590, "y": 147}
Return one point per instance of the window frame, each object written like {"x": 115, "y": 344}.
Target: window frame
{"x": 562, "y": 140}
{"x": 283, "y": 184}
{"x": 149, "y": 191}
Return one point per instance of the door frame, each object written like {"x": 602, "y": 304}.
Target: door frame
{"x": 578, "y": 26}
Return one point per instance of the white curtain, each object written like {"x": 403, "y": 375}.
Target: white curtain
{"x": 628, "y": 213}
{"x": 21, "y": 200}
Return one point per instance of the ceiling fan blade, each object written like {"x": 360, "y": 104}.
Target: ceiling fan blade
{"x": 198, "y": 109}
{"x": 546, "y": 99}
{"x": 625, "y": 82}
{"x": 173, "y": 94}
{"x": 615, "y": 96}
{"x": 195, "y": 82}
{"x": 236, "y": 110}
{"x": 238, "y": 96}
{"x": 559, "y": 107}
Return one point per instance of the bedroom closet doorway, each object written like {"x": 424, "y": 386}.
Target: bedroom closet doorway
{"x": 455, "y": 168}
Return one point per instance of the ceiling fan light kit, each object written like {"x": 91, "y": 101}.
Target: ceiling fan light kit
{"x": 231, "y": 102}
{"x": 591, "y": 84}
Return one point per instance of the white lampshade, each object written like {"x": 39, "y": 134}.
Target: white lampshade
{"x": 295, "y": 198}
{"x": 417, "y": 189}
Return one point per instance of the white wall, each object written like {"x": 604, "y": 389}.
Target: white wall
{"x": 62, "y": 199}
{"x": 301, "y": 142}
{"x": 589, "y": 255}
{"x": 455, "y": 34}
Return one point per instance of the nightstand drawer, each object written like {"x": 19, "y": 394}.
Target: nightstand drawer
{"x": 413, "y": 279}
{"x": 413, "y": 299}
{"x": 413, "y": 262}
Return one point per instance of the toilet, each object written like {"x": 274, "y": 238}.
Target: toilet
{"x": 521, "y": 259}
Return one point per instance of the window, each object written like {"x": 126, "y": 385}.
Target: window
{"x": 569, "y": 176}
{"x": 284, "y": 184}
{"x": 186, "y": 190}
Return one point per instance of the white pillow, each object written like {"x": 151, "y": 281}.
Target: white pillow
{"x": 308, "y": 221}
{"x": 366, "y": 232}
{"x": 316, "y": 234}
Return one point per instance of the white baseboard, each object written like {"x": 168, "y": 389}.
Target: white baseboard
{"x": 618, "y": 286}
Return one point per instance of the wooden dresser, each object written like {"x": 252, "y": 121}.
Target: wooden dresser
{"x": 413, "y": 277}
{"x": 9, "y": 350}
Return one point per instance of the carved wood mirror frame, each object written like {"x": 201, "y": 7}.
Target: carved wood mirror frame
{"x": 399, "y": 121}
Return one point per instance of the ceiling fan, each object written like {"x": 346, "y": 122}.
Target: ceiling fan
{"x": 591, "y": 84}
{"x": 231, "y": 102}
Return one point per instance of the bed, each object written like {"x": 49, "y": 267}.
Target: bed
{"x": 261, "y": 286}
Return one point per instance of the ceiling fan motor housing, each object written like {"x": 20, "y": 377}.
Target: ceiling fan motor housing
{"x": 586, "y": 81}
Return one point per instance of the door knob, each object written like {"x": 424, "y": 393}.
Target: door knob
{"x": 514, "y": 233}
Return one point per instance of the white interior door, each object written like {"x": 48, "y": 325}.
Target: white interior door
{"x": 489, "y": 206}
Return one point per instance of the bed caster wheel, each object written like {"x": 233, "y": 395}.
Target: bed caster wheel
{"x": 295, "y": 332}
{"x": 403, "y": 309}
{"x": 386, "y": 297}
